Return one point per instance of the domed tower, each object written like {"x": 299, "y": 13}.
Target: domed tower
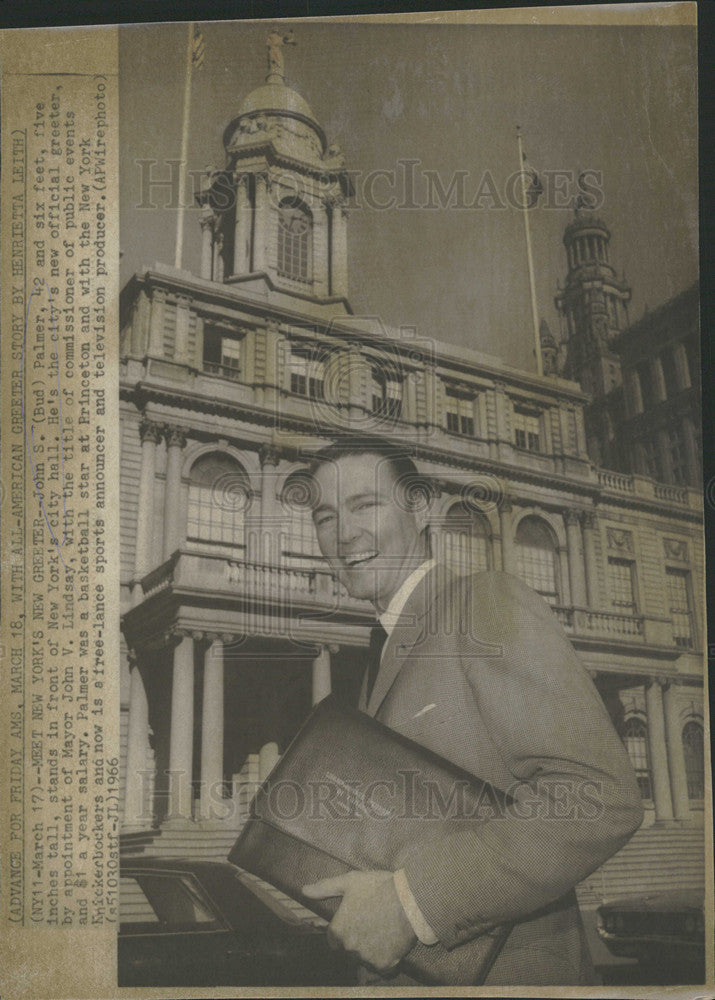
{"x": 276, "y": 214}
{"x": 593, "y": 307}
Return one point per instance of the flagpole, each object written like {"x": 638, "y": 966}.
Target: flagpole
{"x": 529, "y": 257}
{"x": 184, "y": 147}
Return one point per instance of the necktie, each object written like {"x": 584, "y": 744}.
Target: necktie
{"x": 377, "y": 640}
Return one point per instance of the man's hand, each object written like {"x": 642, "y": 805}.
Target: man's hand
{"x": 371, "y": 922}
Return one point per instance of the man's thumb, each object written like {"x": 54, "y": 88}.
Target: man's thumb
{"x": 326, "y": 888}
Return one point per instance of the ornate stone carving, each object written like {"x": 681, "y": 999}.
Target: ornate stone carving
{"x": 620, "y": 540}
{"x": 269, "y": 454}
{"x": 175, "y": 436}
{"x": 590, "y": 520}
{"x": 572, "y": 516}
{"x": 150, "y": 431}
{"x": 676, "y": 548}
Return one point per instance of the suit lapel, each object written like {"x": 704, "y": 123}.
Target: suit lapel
{"x": 405, "y": 634}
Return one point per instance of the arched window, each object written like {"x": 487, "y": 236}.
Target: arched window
{"x": 295, "y": 226}
{"x": 464, "y": 540}
{"x": 634, "y": 734}
{"x": 537, "y": 559}
{"x": 299, "y": 545}
{"x": 694, "y": 750}
{"x": 219, "y": 494}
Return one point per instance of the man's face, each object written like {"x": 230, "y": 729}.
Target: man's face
{"x": 370, "y": 539}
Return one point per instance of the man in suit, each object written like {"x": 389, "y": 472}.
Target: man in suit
{"x": 478, "y": 669}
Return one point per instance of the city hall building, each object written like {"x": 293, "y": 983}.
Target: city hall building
{"x": 232, "y": 625}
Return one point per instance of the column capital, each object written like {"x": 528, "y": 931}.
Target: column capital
{"x": 174, "y": 635}
{"x": 175, "y": 436}
{"x": 149, "y": 430}
{"x": 333, "y": 648}
{"x": 269, "y": 454}
{"x": 572, "y": 516}
{"x": 159, "y": 293}
{"x": 590, "y": 519}
{"x": 658, "y": 679}
{"x": 240, "y": 179}
{"x": 207, "y": 219}
{"x": 505, "y": 504}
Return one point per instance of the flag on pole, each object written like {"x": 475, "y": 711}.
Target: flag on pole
{"x": 198, "y": 48}
{"x": 535, "y": 188}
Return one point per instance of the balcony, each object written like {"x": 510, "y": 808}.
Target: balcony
{"x": 288, "y": 590}
{"x": 642, "y": 488}
{"x": 589, "y": 624}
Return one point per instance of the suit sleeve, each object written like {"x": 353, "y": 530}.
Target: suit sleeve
{"x": 577, "y": 797}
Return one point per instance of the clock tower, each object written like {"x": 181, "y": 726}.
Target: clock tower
{"x": 275, "y": 217}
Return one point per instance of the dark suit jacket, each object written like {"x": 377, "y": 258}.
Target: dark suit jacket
{"x": 479, "y": 670}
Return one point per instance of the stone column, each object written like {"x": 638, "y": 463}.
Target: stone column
{"x": 577, "y": 576}
{"x": 660, "y": 778}
{"x": 339, "y": 249}
{"x": 218, "y": 262}
{"x": 181, "y": 331}
{"x": 212, "y": 728}
{"x": 658, "y": 379}
{"x": 175, "y": 441}
{"x": 590, "y": 530}
{"x": 691, "y": 450}
{"x": 320, "y": 270}
{"x": 156, "y": 323}
{"x": 580, "y": 431}
{"x": 150, "y": 434}
{"x": 242, "y": 228}
{"x": 207, "y": 235}
{"x": 266, "y": 543}
{"x": 682, "y": 369}
{"x": 676, "y": 757}
{"x": 260, "y": 226}
{"x": 322, "y": 684}
{"x": 181, "y": 734}
{"x": 137, "y": 815}
{"x": 508, "y": 551}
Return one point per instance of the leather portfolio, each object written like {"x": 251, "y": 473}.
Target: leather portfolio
{"x": 351, "y": 794}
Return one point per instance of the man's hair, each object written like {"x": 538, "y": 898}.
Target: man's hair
{"x": 415, "y": 488}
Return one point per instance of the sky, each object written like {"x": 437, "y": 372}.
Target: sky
{"x": 621, "y": 101}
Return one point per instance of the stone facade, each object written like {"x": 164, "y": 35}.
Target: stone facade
{"x": 232, "y": 625}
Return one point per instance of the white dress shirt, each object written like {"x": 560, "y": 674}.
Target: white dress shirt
{"x": 388, "y": 619}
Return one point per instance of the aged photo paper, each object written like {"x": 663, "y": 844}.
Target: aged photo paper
{"x": 460, "y": 252}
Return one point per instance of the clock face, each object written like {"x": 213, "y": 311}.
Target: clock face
{"x": 293, "y": 219}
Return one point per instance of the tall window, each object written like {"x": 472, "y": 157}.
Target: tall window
{"x": 667, "y": 361}
{"x": 464, "y": 540}
{"x": 219, "y": 494}
{"x": 694, "y": 750}
{"x": 386, "y": 394}
{"x": 299, "y": 546}
{"x": 678, "y": 456}
{"x": 681, "y": 611}
{"x": 646, "y": 380}
{"x": 650, "y": 457}
{"x": 620, "y": 583}
{"x": 634, "y": 734}
{"x": 537, "y": 558}
{"x": 295, "y": 225}
{"x": 526, "y": 430}
{"x": 460, "y": 413}
{"x": 307, "y": 374}
{"x": 222, "y": 353}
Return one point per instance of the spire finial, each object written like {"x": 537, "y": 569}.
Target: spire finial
{"x": 274, "y": 45}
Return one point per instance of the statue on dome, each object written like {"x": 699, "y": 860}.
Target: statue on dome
{"x": 274, "y": 43}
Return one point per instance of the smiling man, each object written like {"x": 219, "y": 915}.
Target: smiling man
{"x": 478, "y": 670}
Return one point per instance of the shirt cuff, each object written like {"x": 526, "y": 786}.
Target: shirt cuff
{"x": 422, "y": 929}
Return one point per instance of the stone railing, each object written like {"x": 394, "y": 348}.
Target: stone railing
{"x": 586, "y": 622}
{"x": 643, "y": 488}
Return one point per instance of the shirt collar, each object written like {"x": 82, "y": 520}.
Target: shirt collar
{"x": 390, "y": 616}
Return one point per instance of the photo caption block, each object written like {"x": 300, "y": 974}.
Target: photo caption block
{"x": 59, "y": 462}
